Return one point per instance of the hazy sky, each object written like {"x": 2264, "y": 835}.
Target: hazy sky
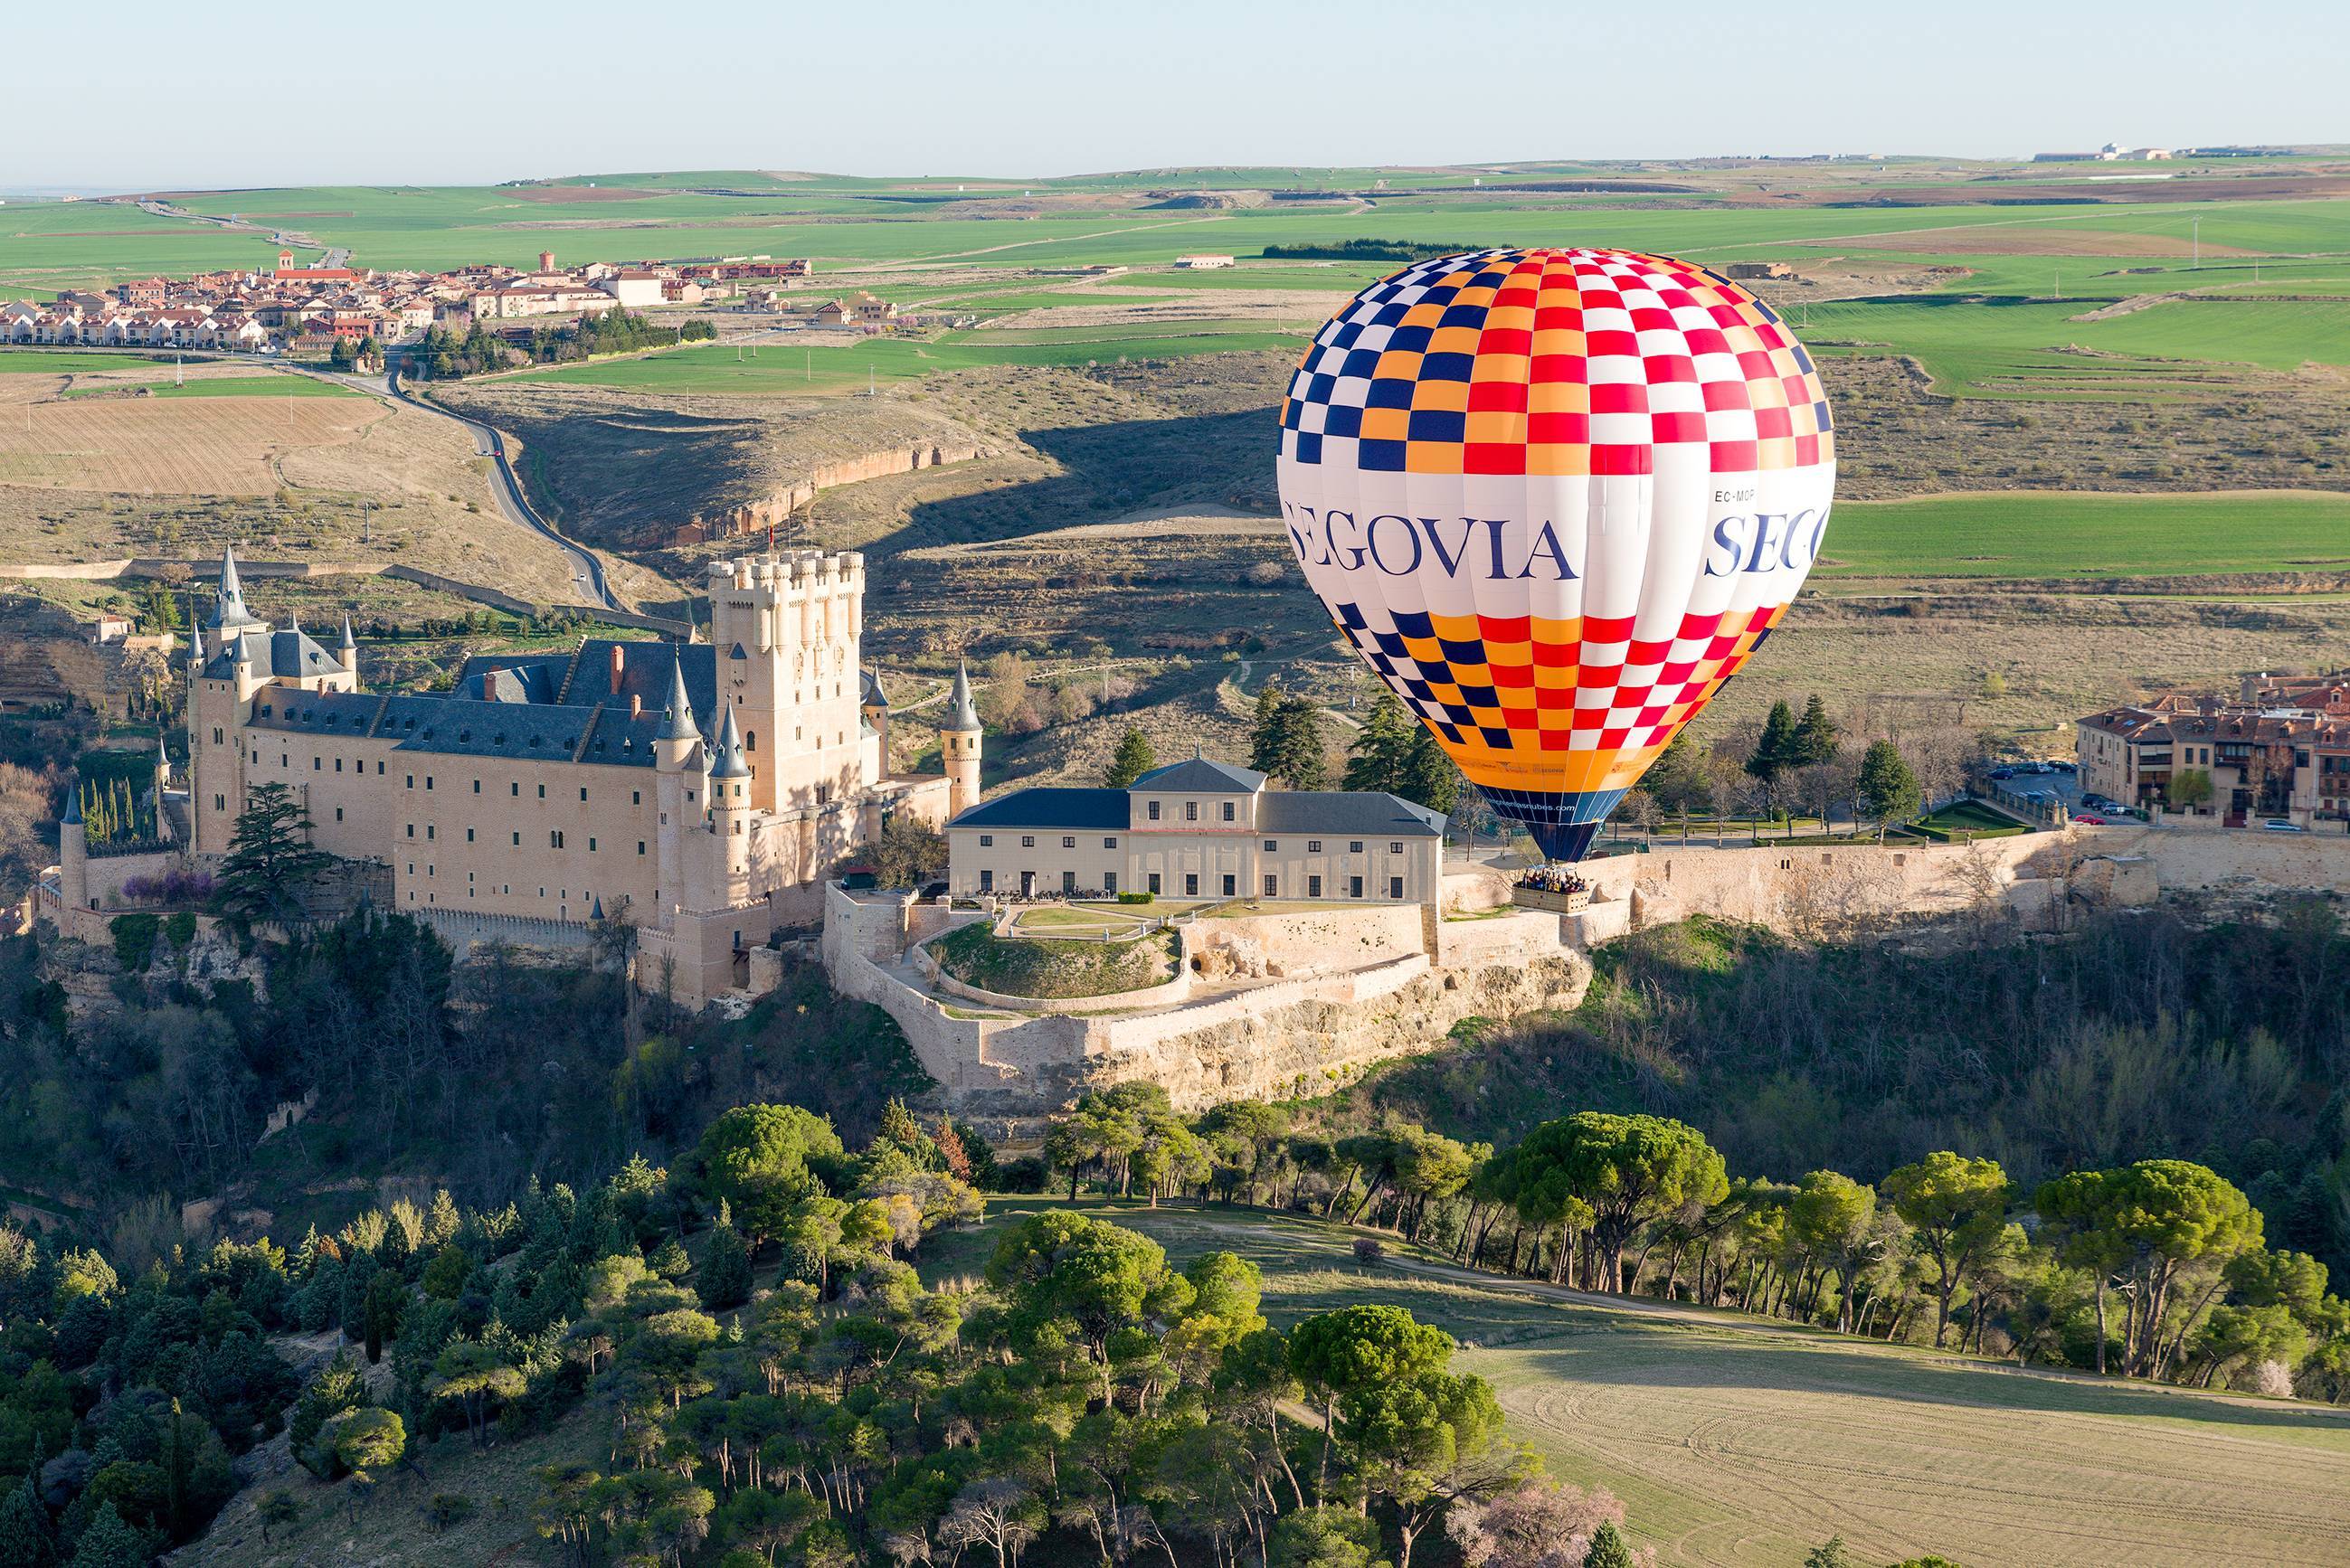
{"x": 439, "y": 93}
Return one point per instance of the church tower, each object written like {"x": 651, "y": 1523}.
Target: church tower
{"x": 958, "y": 744}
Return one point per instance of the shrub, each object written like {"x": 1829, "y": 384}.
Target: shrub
{"x": 1136, "y": 898}
{"x": 1368, "y": 1251}
{"x": 135, "y": 940}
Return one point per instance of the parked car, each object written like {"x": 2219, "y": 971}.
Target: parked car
{"x": 2062, "y": 766}
{"x": 2002, "y": 772}
{"x": 2278, "y": 824}
{"x": 2092, "y": 820}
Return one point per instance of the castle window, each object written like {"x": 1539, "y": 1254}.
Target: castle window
{"x": 1395, "y": 846}
{"x": 1271, "y": 845}
{"x": 431, "y": 831}
{"x": 542, "y": 792}
{"x": 987, "y": 841}
{"x": 640, "y": 847}
{"x": 315, "y": 764}
{"x": 591, "y": 847}
{"x": 583, "y": 791}
{"x": 515, "y": 787}
{"x": 469, "y": 836}
{"x": 1355, "y": 847}
{"x": 339, "y": 813}
{"x": 428, "y": 781}
{"x": 750, "y": 740}
{"x": 555, "y": 839}
{"x": 635, "y": 797}
{"x": 1228, "y": 810}
{"x": 412, "y": 830}
{"x": 338, "y": 765}
{"x": 1154, "y": 811}
{"x": 477, "y": 787}
{"x": 412, "y": 782}
{"x": 517, "y": 841}
{"x": 1027, "y": 841}
{"x": 1271, "y": 886}
{"x": 378, "y": 770}
{"x": 1068, "y": 841}
{"x": 216, "y": 734}
{"x": 1313, "y": 887}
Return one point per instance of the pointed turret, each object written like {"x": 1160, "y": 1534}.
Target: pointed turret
{"x": 962, "y": 714}
{"x": 959, "y": 737}
{"x": 229, "y": 614}
{"x": 195, "y": 647}
{"x": 163, "y": 764}
{"x": 730, "y": 762}
{"x": 350, "y": 644}
{"x": 72, "y": 818}
{"x": 677, "y": 716}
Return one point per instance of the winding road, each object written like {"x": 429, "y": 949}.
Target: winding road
{"x": 586, "y": 571}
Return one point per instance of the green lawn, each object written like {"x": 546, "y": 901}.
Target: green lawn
{"x": 1736, "y": 1446}
{"x": 274, "y": 386}
{"x": 782, "y": 368}
{"x": 2071, "y": 535}
{"x": 70, "y": 361}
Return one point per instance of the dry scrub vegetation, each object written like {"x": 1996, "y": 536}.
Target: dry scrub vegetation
{"x": 282, "y": 478}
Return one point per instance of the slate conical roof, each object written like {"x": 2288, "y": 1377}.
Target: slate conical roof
{"x": 677, "y": 715}
{"x": 73, "y": 805}
{"x": 229, "y": 613}
{"x": 960, "y": 713}
{"x": 350, "y": 642}
{"x": 731, "y": 763}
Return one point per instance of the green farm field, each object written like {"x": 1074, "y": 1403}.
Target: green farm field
{"x": 2061, "y": 535}
{"x": 70, "y": 361}
{"x": 1739, "y": 1445}
{"x": 784, "y": 368}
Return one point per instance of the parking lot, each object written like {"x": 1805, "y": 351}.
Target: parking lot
{"x": 2044, "y": 779}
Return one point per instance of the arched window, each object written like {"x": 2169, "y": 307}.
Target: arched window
{"x": 750, "y": 740}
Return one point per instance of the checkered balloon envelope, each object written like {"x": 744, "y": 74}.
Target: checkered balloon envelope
{"x": 1555, "y": 499}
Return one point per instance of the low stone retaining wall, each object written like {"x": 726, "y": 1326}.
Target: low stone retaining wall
{"x": 1167, "y": 992}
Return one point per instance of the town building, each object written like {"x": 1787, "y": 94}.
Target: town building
{"x": 698, "y": 792}
{"x": 2278, "y": 750}
{"x": 1202, "y": 262}
{"x": 1198, "y": 829}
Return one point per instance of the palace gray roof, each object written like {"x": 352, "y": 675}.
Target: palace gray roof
{"x": 1048, "y": 806}
{"x": 1374, "y": 813}
{"x": 1338, "y": 814}
{"x": 461, "y": 726}
{"x": 287, "y": 652}
{"x": 1203, "y": 776}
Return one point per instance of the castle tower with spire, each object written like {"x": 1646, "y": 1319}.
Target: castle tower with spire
{"x": 958, "y": 736}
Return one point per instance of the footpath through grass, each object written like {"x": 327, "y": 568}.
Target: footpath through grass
{"x": 1739, "y": 1445}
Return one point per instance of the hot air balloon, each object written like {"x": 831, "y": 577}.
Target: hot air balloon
{"x": 1554, "y": 498}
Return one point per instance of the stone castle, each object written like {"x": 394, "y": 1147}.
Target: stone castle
{"x": 699, "y": 791}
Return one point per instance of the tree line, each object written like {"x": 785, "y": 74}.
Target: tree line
{"x": 443, "y": 355}
{"x": 2157, "y": 1269}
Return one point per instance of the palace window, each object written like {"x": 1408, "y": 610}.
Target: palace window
{"x": 1154, "y": 804}
{"x": 1228, "y": 810}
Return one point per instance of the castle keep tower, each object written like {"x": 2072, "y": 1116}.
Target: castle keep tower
{"x": 958, "y": 744}
{"x": 787, "y": 629}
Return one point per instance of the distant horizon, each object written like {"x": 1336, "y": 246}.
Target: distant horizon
{"x": 34, "y": 193}
{"x": 1050, "y": 89}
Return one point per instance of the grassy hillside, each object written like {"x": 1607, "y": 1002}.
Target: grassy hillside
{"x": 1736, "y": 1445}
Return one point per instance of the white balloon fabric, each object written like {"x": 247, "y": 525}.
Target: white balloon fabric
{"x": 1555, "y": 499}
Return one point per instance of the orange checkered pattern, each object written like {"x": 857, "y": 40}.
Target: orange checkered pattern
{"x": 1555, "y": 362}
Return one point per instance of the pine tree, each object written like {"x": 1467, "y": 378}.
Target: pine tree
{"x": 1607, "y": 1549}
{"x": 109, "y": 1543}
{"x": 27, "y": 1535}
{"x": 1816, "y": 735}
{"x": 1375, "y": 757}
{"x": 1265, "y": 728}
{"x": 898, "y": 1126}
{"x": 1428, "y": 776}
{"x": 1134, "y": 758}
{"x": 1775, "y": 751}
{"x": 1888, "y": 790}
{"x": 724, "y": 1280}
{"x": 270, "y": 861}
